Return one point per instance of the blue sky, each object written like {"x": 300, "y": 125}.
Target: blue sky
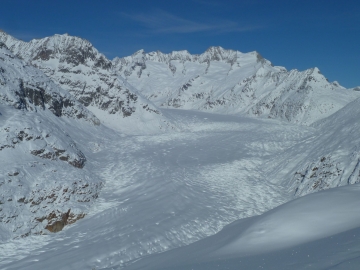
{"x": 291, "y": 33}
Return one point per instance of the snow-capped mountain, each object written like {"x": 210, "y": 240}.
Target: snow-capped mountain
{"x": 75, "y": 65}
{"x": 25, "y": 87}
{"x": 229, "y": 82}
{"x": 141, "y": 195}
{"x": 42, "y": 175}
{"x": 219, "y": 80}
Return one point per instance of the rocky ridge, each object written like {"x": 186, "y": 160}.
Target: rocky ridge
{"x": 230, "y": 82}
{"x": 75, "y": 65}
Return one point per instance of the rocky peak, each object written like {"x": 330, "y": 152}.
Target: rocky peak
{"x": 218, "y": 54}
{"x": 183, "y": 55}
{"x": 68, "y": 49}
{"x": 27, "y": 88}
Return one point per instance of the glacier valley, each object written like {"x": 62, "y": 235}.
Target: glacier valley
{"x": 173, "y": 161}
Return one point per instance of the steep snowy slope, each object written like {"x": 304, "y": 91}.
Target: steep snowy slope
{"x": 334, "y": 156}
{"x": 302, "y": 234}
{"x": 25, "y": 87}
{"x": 75, "y": 65}
{"x": 227, "y": 81}
{"x": 43, "y": 182}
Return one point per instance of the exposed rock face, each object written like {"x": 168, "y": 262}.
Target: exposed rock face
{"x": 218, "y": 80}
{"x": 30, "y": 204}
{"x": 51, "y": 146}
{"x": 27, "y": 88}
{"x": 42, "y": 172}
{"x": 52, "y": 188}
{"x": 61, "y": 220}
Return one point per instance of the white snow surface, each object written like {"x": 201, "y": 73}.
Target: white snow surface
{"x": 219, "y": 80}
{"x": 41, "y": 173}
{"x": 275, "y": 240}
{"x": 165, "y": 191}
{"x": 170, "y": 190}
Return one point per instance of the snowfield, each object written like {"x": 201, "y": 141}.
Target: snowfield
{"x": 318, "y": 231}
{"x": 169, "y": 190}
{"x": 173, "y": 161}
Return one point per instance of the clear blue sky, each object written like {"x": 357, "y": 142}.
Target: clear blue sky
{"x": 291, "y": 33}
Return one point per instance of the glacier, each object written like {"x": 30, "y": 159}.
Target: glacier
{"x": 173, "y": 161}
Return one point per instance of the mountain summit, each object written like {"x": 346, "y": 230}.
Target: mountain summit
{"x": 218, "y": 80}
{"x": 231, "y": 82}
{"x": 75, "y": 65}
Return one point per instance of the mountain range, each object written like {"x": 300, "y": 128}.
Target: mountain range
{"x": 190, "y": 142}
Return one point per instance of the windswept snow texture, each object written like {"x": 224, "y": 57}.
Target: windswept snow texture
{"x": 318, "y": 231}
{"x": 165, "y": 191}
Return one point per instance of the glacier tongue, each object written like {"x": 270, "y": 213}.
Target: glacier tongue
{"x": 168, "y": 190}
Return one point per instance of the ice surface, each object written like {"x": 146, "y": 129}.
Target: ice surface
{"x": 165, "y": 191}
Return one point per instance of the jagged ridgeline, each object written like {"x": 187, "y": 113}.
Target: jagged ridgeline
{"x": 58, "y": 97}
{"x": 219, "y": 80}
{"x": 230, "y": 82}
{"x": 75, "y": 65}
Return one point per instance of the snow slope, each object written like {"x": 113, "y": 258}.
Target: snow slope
{"x": 303, "y": 234}
{"x": 170, "y": 190}
{"x": 25, "y": 87}
{"x": 44, "y": 184}
{"x": 219, "y": 80}
{"x": 329, "y": 160}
